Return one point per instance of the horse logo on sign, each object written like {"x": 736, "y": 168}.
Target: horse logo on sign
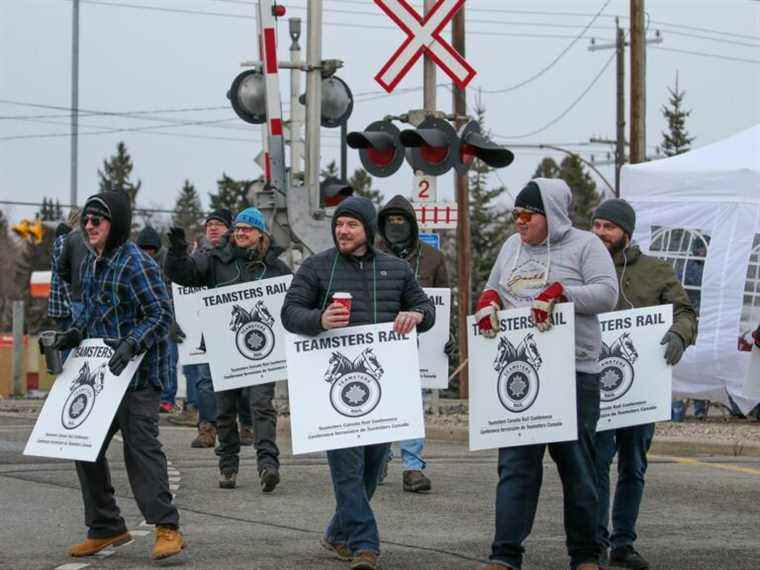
{"x": 518, "y": 381}
{"x": 617, "y": 373}
{"x": 254, "y": 337}
{"x": 84, "y": 390}
{"x": 355, "y": 389}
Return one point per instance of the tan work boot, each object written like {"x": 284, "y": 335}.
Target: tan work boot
{"x": 168, "y": 543}
{"x": 188, "y": 417}
{"x": 246, "y": 436}
{"x": 206, "y": 436}
{"x": 92, "y": 546}
{"x": 340, "y": 550}
{"x": 415, "y": 481}
{"x": 364, "y": 560}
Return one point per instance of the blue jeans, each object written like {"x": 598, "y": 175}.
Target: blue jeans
{"x": 631, "y": 445}
{"x": 411, "y": 454}
{"x": 204, "y": 393}
{"x": 191, "y": 379}
{"x": 520, "y": 477}
{"x": 354, "y": 473}
{"x": 170, "y": 387}
{"x": 244, "y": 413}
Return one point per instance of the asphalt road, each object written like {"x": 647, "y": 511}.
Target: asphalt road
{"x": 698, "y": 513}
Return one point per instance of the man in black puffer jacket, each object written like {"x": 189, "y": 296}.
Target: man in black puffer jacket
{"x": 249, "y": 256}
{"x": 383, "y": 289}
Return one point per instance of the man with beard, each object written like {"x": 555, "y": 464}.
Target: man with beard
{"x": 400, "y": 237}
{"x": 383, "y": 289}
{"x": 125, "y": 302}
{"x": 644, "y": 281}
{"x": 250, "y": 256}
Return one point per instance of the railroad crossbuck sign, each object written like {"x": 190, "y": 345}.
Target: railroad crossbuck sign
{"x": 423, "y": 35}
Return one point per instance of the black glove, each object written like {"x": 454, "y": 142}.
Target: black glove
{"x": 176, "y": 334}
{"x": 67, "y": 339}
{"x": 124, "y": 350}
{"x": 450, "y": 347}
{"x": 675, "y": 348}
{"x": 177, "y": 241}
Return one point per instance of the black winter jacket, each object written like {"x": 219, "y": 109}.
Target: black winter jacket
{"x": 380, "y": 285}
{"x": 225, "y": 265}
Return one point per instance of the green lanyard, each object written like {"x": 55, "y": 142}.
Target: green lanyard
{"x": 374, "y": 287}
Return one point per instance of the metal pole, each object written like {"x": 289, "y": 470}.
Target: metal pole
{"x": 344, "y": 152}
{"x": 429, "y": 70}
{"x": 620, "y": 146}
{"x": 464, "y": 258}
{"x": 17, "y": 360}
{"x": 638, "y": 103}
{"x": 313, "y": 99}
{"x": 296, "y": 109}
{"x": 74, "y": 99}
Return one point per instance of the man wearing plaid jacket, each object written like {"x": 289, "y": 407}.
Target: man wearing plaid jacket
{"x": 127, "y": 304}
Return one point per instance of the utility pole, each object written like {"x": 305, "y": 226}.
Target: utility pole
{"x": 638, "y": 83}
{"x": 463, "y": 204}
{"x": 313, "y": 100}
{"x": 17, "y": 359}
{"x": 74, "y": 99}
{"x": 296, "y": 109}
{"x": 428, "y": 82}
{"x": 620, "y": 107}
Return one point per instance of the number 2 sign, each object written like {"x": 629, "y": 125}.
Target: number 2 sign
{"x": 425, "y": 188}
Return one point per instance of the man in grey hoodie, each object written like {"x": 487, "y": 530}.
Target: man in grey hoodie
{"x": 546, "y": 262}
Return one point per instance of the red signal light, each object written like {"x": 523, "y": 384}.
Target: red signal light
{"x": 278, "y": 11}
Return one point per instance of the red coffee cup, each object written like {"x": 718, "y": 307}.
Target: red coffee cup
{"x": 343, "y": 299}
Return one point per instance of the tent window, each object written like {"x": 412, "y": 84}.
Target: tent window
{"x": 686, "y": 251}
{"x": 751, "y": 300}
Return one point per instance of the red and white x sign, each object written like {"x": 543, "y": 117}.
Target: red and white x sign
{"x": 423, "y": 35}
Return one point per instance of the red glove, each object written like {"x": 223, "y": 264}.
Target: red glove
{"x": 485, "y": 313}
{"x": 756, "y": 336}
{"x": 543, "y": 305}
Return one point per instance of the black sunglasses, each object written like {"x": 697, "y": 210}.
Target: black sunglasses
{"x": 94, "y": 220}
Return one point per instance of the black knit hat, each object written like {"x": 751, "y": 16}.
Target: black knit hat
{"x": 619, "y": 212}
{"x": 223, "y": 215}
{"x": 530, "y": 199}
{"x": 149, "y": 238}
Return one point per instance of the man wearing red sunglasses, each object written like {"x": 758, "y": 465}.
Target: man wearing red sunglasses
{"x": 546, "y": 262}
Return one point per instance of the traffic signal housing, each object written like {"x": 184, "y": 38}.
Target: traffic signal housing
{"x": 380, "y": 149}
{"x": 433, "y": 147}
{"x": 474, "y": 144}
{"x": 332, "y": 192}
{"x": 248, "y": 96}
{"x": 30, "y": 231}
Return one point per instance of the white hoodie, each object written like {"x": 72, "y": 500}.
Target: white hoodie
{"x": 575, "y": 258}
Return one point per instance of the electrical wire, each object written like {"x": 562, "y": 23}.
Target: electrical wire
{"x": 555, "y": 60}
{"x": 705, "y": 54}
{"x": 564, "y": 113}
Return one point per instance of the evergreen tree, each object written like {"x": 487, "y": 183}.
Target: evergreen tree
{"x": 116, "y": 173}
{"x": 9, "y": 288}
{"x": 676, "y": 139}
{"x": 50, "y": 211}
{"x": 582, "y": 185}
{"x": 330, "y": 171}
{"x": 188, "y": 212}
{"x": 361, "y": 182}
{"x": 231, "y": 194}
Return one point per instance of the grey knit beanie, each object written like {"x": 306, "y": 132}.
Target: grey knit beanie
{"x": 619, "y": 212}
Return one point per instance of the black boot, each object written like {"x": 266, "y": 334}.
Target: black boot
{"x": 627, "y": 557}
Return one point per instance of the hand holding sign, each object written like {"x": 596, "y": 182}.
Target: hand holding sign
{"x": 124, "y": 350}
{"x": 406, "y": 321}
{"x": 67, "y": 340}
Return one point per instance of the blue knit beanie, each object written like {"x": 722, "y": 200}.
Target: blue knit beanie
{"x": 254, "y": 218}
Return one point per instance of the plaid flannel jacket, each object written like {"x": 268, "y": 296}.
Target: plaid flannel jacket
{"x": 59, "y": 306}
{"x": 124, "y": 296}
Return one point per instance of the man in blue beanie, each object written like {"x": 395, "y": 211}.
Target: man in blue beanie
{"x": 249, "y": 256}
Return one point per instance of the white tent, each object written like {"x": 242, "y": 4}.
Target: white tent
{"x": 701, "y": 211}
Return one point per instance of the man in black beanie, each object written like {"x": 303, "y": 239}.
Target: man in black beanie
{"x": 644, "y": 281}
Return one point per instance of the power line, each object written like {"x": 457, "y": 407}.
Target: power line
{"x": 555, "y": 60}
{"x": 82, "y": 112}
{"x": 566, "y": 111}
{"x": 710, "y": 55}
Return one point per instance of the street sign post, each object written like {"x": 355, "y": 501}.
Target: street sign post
{"x": 423, "y": 36}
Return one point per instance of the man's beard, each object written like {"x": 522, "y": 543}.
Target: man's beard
{"x": 351, "y": 250}
{"x": 618, "y": 246}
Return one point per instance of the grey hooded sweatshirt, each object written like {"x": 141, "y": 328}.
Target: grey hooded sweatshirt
{"x": 575, "y": 258}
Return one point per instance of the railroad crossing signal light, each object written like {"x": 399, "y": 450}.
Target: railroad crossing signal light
{"x": 248, "y": 97}
{"x": 433, "y": 147}
{"x": 337, "y": 102}
{"x": 474, "y": 144}
{"x": 27, "y": 230}
{"x": 332, "y": 192}
{"x": 380, "y": 148}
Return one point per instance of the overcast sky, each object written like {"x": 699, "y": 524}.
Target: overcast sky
{"x": 158, "y": 59}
